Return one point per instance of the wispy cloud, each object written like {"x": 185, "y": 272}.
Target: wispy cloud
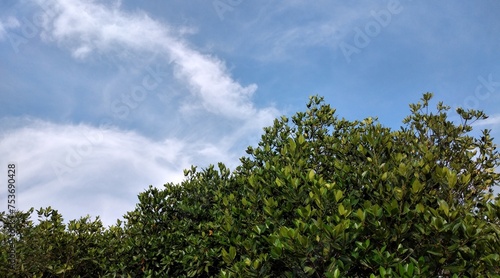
{"x": 325, "y": 24}
{"x": 493, "y": 120}
{"x": 85, "y": 27}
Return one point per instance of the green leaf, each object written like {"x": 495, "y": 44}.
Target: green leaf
{"x": 420, "y": 207}
{"x": 232, "y": 252}
{"x": 382, "y": 271}
{"x": 411, "y": 268}
{"x": 465, "y": 178}
{"x": 435, "y": 253}
{"x": 279, "y": 183}
{"x": 309, "y": 270}
{"x": 402, "y": 169}
{"x": 301, "y": 139}
{"x": 342, "y": 210}
{"x": 398, "y": 193}
{"x": 276, "y": 252}
{"x": 493, "y": 259}
{"x": 452, "y": 179}
{"x": 338, "y": 195}
{"x": 311, "y": 175}
{"x": 292, "y": 144}
{"x": 444, "y": 207}
{"x": 416, "y": 186}
{"x": 228, "y": 257}
{"x": 360, "y": 214}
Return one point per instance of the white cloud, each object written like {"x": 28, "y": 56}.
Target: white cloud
{"x": 86, "y": 26}
{"x": 492, "y": 120}
{"x": 83, "y": 170}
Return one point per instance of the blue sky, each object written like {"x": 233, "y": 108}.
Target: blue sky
{"x": 100, "y": 99}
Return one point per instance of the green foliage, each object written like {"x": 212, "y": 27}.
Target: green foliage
{"x": 318, "y": 197}
{"x": 53, "y": 249}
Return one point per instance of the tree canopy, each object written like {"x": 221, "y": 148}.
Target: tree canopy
{"x": 319, "y": 196}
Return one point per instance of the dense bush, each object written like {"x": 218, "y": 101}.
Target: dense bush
{"x": 320, "y": 197}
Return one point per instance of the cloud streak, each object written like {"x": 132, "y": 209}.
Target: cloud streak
{"x": 493, "y": 120}
{"x": 85, "y": 27}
